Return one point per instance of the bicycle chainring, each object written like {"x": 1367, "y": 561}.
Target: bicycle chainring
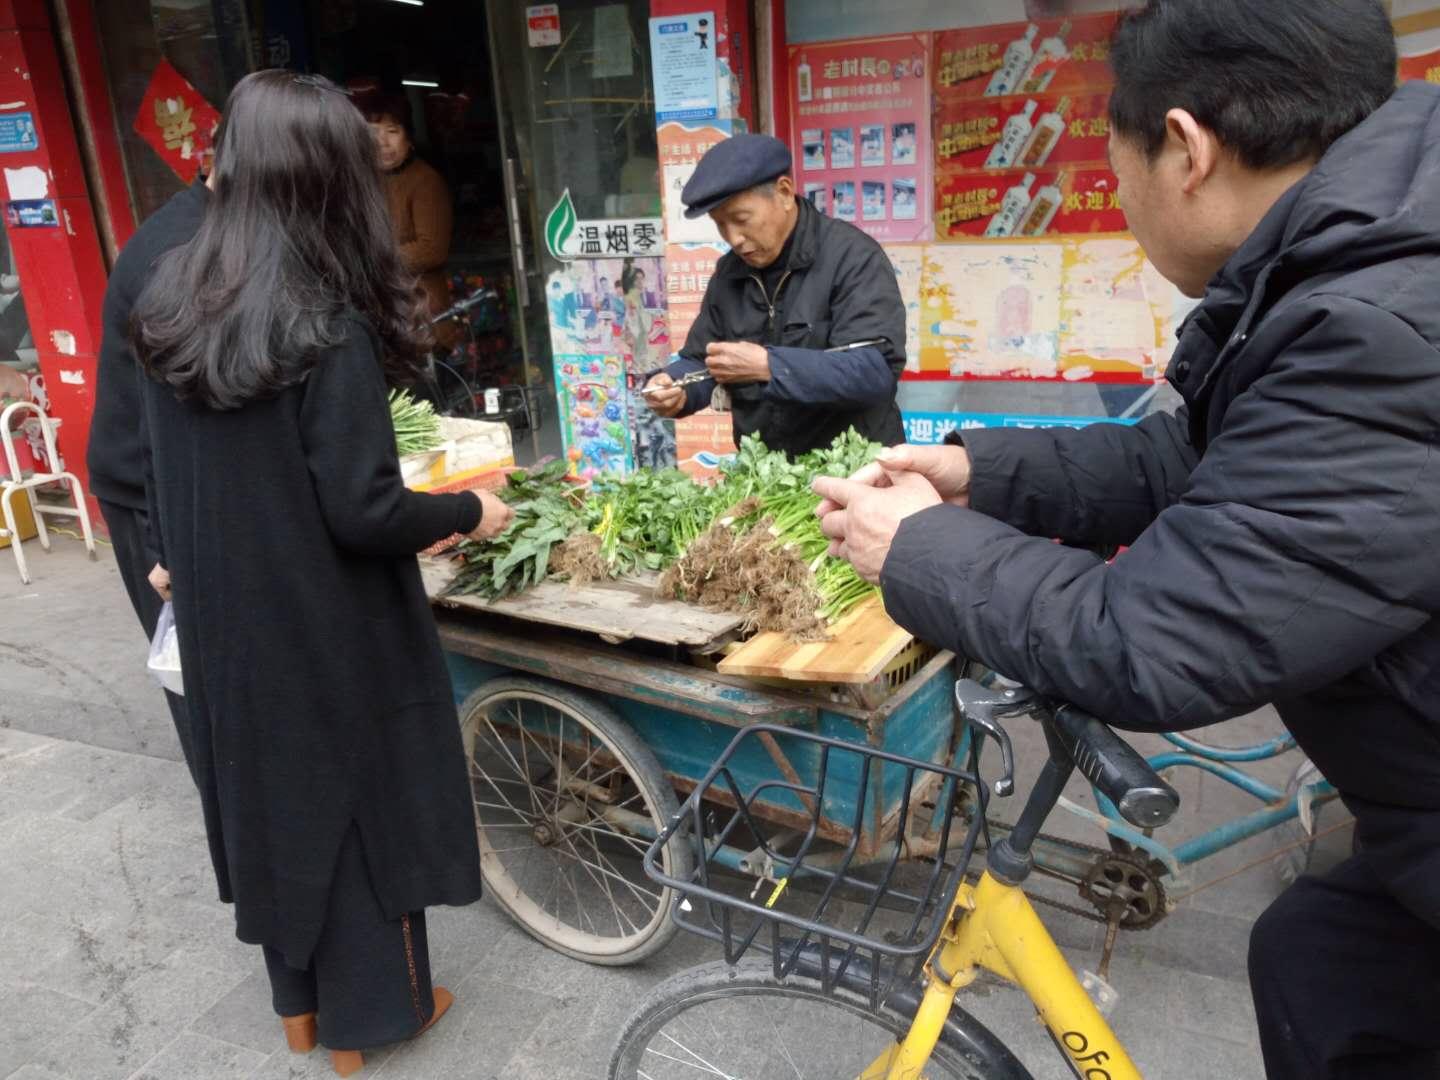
{"x": 1128, "y": 879}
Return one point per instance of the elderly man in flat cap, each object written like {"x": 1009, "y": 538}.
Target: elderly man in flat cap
{"x": 802, "y": 332}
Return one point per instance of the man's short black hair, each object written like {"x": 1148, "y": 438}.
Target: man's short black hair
{"x": 1277, "y": 81}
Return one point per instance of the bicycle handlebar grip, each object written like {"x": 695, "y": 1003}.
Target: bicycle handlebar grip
{"x": 1113, "y": 766}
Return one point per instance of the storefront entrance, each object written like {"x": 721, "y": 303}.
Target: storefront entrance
{"x": 512, "y": 108}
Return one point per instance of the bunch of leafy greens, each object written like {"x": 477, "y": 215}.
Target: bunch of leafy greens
{"x": 548, "y": 509}
{"x": 648, "y": 519}
{"x": 737, "y": 568}
{"x": 748, "y": 543}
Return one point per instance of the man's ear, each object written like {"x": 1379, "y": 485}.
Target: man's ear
{"x": 785, "y": 190}
{"x": 1186, "y": 135}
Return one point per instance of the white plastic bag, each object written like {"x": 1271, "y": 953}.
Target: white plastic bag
{"x": 164, "y": 663}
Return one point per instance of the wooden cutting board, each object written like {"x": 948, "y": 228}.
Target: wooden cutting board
{"x": 862, "y": 643}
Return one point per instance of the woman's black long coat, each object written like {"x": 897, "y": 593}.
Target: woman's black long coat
{"x": 315, "y": 684}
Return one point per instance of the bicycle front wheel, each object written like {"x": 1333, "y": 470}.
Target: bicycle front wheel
{"x": 741, "y": 1023}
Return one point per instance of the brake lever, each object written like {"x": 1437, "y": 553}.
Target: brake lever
{"x": 981, "y": 706}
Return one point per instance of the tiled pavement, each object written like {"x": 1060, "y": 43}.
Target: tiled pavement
{"x": 117, "y": 962}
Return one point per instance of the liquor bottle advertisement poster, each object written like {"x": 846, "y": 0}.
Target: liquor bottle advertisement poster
{"x": 1040, "y": 56}
{"x": 1027, "y": 204}
{"x": 1024, "y": 132}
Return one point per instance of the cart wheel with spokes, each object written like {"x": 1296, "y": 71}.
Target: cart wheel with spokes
{"x": 567, "y": 799}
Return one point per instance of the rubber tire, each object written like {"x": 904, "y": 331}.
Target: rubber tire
{"x": 967, "y": 1048}
{"x": 644, "y": 771}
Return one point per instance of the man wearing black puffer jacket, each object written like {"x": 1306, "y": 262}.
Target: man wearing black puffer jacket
{"x": 802, "y": 331}
{"x": 1284, "y": 526}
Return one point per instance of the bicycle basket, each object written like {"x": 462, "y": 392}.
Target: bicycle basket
{"x": 779, "y": 865}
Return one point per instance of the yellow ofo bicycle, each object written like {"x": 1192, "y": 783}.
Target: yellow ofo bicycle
{"x": 838, "y": 965}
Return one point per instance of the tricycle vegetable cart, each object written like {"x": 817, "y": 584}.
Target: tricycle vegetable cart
{"x": 586, "y": 709}
{"x": 589, "y": 711}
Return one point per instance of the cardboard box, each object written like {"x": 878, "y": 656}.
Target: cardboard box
{"x": 703, "y": 441}
{"x": 471, "y": 448}
{"x": 24, "y": 520}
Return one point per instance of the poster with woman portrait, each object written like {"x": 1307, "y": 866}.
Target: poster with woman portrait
{"x": 614, "y": 308}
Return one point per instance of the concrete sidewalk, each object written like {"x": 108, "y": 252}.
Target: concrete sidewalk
{"x": 118, "y": 963}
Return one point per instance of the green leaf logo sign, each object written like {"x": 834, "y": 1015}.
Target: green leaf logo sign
{"x": 560, "y": 227}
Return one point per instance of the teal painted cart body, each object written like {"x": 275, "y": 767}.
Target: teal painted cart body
{"x": 687, "y": 715}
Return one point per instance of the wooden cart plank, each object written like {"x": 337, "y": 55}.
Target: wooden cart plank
{"x": 615, "y": 610}
{"x": 610, "y": 670}
{"x": 861, "y": 645}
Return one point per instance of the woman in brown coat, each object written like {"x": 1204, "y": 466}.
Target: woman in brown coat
{"x": 420, "y": 208}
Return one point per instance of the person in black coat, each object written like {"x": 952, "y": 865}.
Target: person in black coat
{"x": 115, "y": 457}
{"x": 1282, "y": 526}
{"x": 802, "y": 326}
{"x": 322, "y": 726}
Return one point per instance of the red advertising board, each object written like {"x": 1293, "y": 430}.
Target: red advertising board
{"x": 861, "y": 131}
{"x": 1042, "y": 56}
{"x": 688, "y": 270}
{"x": 1025, "y": 205}
{"x": 1021, "y": 132}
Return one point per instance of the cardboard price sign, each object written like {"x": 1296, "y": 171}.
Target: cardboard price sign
{"x": 1021, "y": 133}
{"x": 1044, "y": 56}
{"x": 177, "y": 122}
{"x": 702, "y": 442}
{"x": 1026, "y": 205}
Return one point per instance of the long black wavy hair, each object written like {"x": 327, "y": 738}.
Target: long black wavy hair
{"x": 296, "y": 232}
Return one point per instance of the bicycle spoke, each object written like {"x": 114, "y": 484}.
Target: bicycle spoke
{"x": 525, "y": 756}
{"x": 528, "y": 823}
{"x": 621, "y": 877}
{"x": 626, "y": 838}
{"x": 786, "y": 1053}
{"x": 580, "y": 906}
{"x": 590, "y": 869}
{"x": 657, "y": 897}
{"x": 713, "y": 1071}
{"x": 525, "y": 777}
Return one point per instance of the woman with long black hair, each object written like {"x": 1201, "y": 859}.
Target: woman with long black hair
{"x": 324, "y": 736}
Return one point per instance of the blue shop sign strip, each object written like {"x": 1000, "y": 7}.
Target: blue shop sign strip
{"x": 17, "y": 133}
{"x": 932, "y": 427}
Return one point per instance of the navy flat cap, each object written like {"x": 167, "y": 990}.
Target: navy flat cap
{"x": 735, "y": 165}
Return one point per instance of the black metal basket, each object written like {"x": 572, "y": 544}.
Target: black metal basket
{"x": 822, "y": 908}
